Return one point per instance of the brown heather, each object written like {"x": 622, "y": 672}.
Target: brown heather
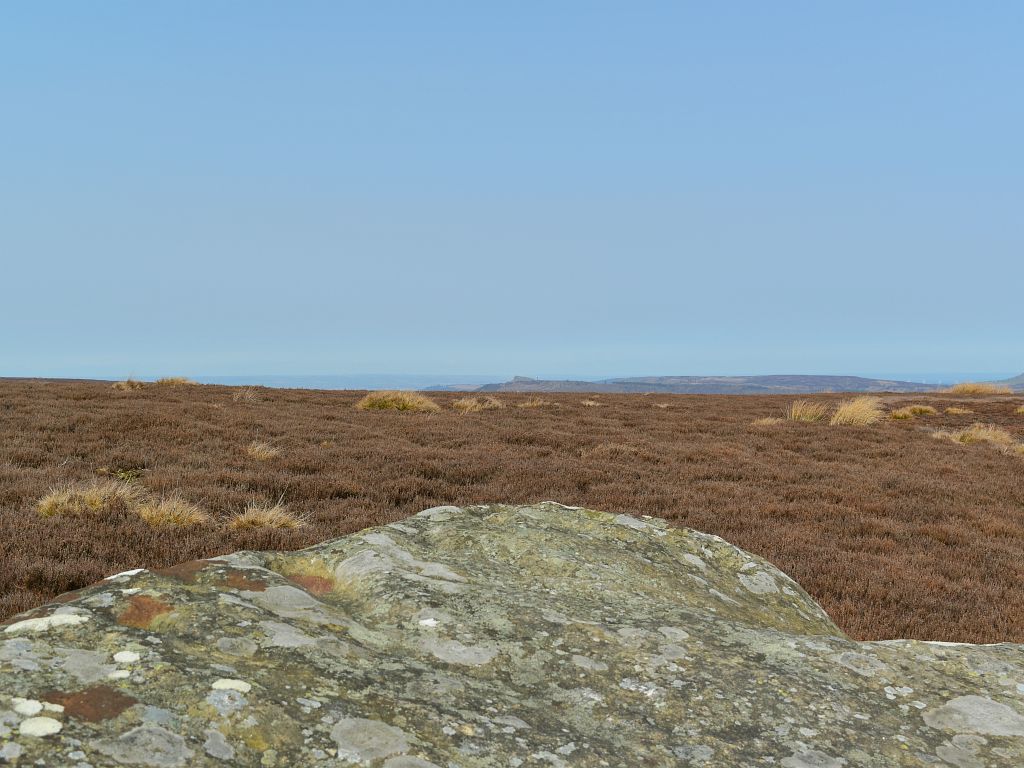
{"x": 894, "y": 533}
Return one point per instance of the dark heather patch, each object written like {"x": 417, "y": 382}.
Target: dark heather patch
{"x": 95, "y": 704}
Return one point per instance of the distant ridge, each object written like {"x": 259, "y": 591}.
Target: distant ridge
{"x": 1016, "y": 383}
{"x": 714, "y": 385}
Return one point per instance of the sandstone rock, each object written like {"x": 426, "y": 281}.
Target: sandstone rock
{"x": 490, "y": 636}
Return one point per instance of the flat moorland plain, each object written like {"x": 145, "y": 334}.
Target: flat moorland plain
{"x": 896, "y": 533}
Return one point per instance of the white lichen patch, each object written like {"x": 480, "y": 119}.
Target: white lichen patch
{"x": 231, "y": 684}
{"x": 44, "y": 623}
{"x": 976, "y": 714}
{"x": 126, "y": 657}
{"x": 132, "y": 572}
{"x": 39, "y": 727}
{"x": 26, "y": 707}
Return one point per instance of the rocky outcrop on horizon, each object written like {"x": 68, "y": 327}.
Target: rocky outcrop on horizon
{"x": 537, "y": 635}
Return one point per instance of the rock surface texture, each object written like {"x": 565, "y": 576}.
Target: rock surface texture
{"x": 490, "y": 636}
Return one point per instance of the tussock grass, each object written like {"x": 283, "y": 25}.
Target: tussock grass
{"x": 979, "y": 433}
{"x": 767, "y": 421}
{"x": 534, "y": 402}
{"x": 393, "y": 400}
{"x": 174, "y": 381}
{"x": 91, "y": 498}
{"x": 474, "y": 404}
{"x": 590, "y": 403}
{"x": 245, "y": 395}
{"x": 1020, "y": 411}
{"x": 662, "y": 405}
{"x": 910, "y": 411}
{"x": 262, "y": 451}
{"x": 257, "y": 515}
{"x": 806, "y": 410}
{"x": 954, "y": 410}
{"x": 128, "y": 385}
{"x": 979, "y": 388}
{"x": 172, "y": 512}
{"x": 858, "y": 412}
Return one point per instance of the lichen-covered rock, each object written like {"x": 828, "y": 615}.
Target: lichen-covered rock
{"x": 490, "y": 636}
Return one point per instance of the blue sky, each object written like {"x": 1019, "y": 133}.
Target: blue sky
{"x": 572, "y": 188}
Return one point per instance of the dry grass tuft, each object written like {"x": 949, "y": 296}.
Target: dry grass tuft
{"x": 174, "y": 381}
{"x": 128, "y": 385}
{"x": 806, "y": 410}
{"x": 662, "y": 405}
{"x": 590, "y": 403}
{"x": 172, "y": 512}
{"x": 767, "y": 421}
{"x": 93, "y": 497}
{"x": 474, "y": 404}
{"x": 261, "y": 451}
{"x": 534, "y": 402}
{"x": 910, "y": 411}
{"x": 979, "y": 388}
{"x": 1020, "y": 411}
{"x": 957, "y": 411}
{"x": 393, "y": 400}
{"x": 245, "y": 395}
{"x": 858, "y": 412}
{"x": 979, "y": 433}
{"x": 257, "y": 515}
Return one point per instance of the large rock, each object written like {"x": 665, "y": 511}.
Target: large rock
{"x": 490, "y": 636}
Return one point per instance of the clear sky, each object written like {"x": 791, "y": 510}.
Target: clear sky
{"x": 545, "y": 188}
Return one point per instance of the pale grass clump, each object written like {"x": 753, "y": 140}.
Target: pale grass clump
{"x": 662, "y": 405}
{"x": 262, "y": 451}
{"x": 979, "y": 388}
{"x": 1020, "y": 411}
{"x": 979, "y": 433}
{"x": 533, "y": 402}
{"x": 128, "y": 385}
{"x": 174, "y": 381}
{"x": 767, "y": 421}
{"x": 474, "y": 404}
{"x": 93, "y": 497}
{"x": 590, "y": 403}
{"x": 257, "y": 515}
{"x": 954, "y": 410}
{"x": 393, "y": 400}
{"x": 910, "y": 411}
{"x": 244, "y": 395}
{"x": 172, "y": 512}
{"x": 806, "y": 410}
{"x": 858, "y": 412}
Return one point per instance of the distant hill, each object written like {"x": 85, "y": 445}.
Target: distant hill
{"x": 714, "y": 385}
{"x": 1016, "y": 383}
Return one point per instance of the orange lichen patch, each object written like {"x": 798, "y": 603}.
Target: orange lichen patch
{"x": 95, "y": 704}
{"x": 186, "y": 572}
{"x": 239, "y": 580}
{"x": 315, "y": 585}
{"x": 141, "y": 611}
